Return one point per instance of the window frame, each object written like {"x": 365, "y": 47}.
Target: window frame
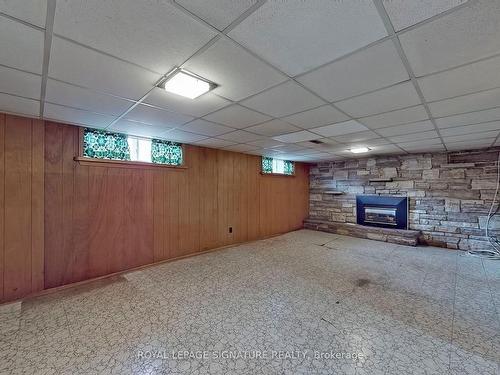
{"x": 86, "y": 161}
{"x": 277, "y": 174}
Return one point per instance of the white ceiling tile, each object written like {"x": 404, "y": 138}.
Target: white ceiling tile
{"x": 357, "y": 137}
{"x": 283, "y": 100}
{"x": 238, "y": 73}
{"x": 404, "y": 13}
{"x": 240, "y": 136}
{"x": 417, "y": 148}
{"x": 266, "y": 143}
{"x": 421, "y": 143}
{"x": 200, "y": 126}
{"x": 240, "y": 148}
{"x": 460, "y": 81}
{"x": 297, "y": 35}
{"x": 214, "y": 143}
{"x": 72, "y": 63}
{"x": 415, "y": 127}
{"x": 469, "y": 118}
{"x": 218, "y": 13}
{"x": 157, "y": 117}
{"x": 20, "y": 83}
{"x": 468, "y": 34}
{"x": 290, "y": 148}
{"x": 471, "y": 129}
{"x": 485, "y": 136}
{"x": 237, "y": 116}
{"x": 21, "y": 46}
{"x": 17, "y": 105}
{"x": 72, "y": 96}
{"x": 467, "y": 103}
{"x": 195, "y": 107}
{"x": 316, "y": 117}
{"x": 468, "y": 145}
{"x": 76, "y": 116}
{"x": 371, "y": 69}
{"x": 400, "y": 116}
{"x": 153, "y": 34}
{"x": 301, "y": 136}
{"x": 388, "y": 99}
{"x": 342, "y": 128}
{"x": 182, "y": 136}
{"x": 414, "y": 137}
{"x": 138, "y": 129}
{"x": 272, "y": 128}
{"x": 385, "y": 149}
{"x": 31, "y": 11}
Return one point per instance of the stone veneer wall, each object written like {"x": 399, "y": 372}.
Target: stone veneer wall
{"x": 449, "y": 193}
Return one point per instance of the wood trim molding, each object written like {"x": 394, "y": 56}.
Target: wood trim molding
{"x": 277, "y": 174}
{"x": 124, "y": 164}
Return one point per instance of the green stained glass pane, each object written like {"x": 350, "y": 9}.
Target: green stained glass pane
{"x": 267, "y": 165}
{"x": 103, "y": 145}
{"x": 289, "y": 167}
{"x": 165, "y": 152}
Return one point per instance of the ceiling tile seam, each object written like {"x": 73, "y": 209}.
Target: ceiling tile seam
{"x": 462, "y": 95}
{"x": 455, "y": 67}
{"x": 19, "y": 96}
{"x": 47, "y": 44}
{"x": 243, "y": 16}
{"x": 25, "y": 23}
{"x": 397, "y": 43}
{"x": 436, "y": 17}
{"x": 75, "y": 42}
{"x": 20, "y": 70}
{"x": 203, "y": 48}
{"x": 82, "y": 109}
{"x": 95, "y": 91}
{"x": 466, "y": 113}
{"x": 371, "y": 92}
{"x": 470, "y": 124}
{"x": 292, "y": 79}
{"x": 495, "y": 140}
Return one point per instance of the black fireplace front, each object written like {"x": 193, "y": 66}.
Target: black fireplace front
{"x": 380, "y": 211}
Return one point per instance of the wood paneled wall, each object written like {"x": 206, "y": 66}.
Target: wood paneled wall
{"x": 21, "y": 206}
{"x": 89, "y": 220}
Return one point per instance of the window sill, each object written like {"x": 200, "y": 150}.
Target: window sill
{"x": 277, "y": 174}
{"x": 123, "y": 163}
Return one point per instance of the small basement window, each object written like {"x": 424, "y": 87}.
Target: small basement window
{"x": 100, "y": 144}
{"x": 277, "y": 166}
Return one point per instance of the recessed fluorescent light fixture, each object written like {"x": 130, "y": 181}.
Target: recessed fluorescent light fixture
{"x": 186, "y": 84}
{"x": 359, "y": 150}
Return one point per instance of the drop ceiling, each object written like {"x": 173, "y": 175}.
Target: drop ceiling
{"x": 391, "y": 75}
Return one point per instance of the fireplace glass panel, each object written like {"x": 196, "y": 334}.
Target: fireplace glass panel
{"x": 381, "y": 215}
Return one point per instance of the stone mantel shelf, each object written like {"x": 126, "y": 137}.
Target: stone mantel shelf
{"x": 382, "y": 179}
{"x": 334, "y": 192}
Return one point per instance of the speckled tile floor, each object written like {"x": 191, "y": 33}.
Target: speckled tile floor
{"x": 302, "y": 303}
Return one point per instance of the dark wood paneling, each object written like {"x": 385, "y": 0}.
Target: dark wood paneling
{"x": 2, "y": 202}
{"x": 69, "y": 222}
{"x": 18, "y": 219}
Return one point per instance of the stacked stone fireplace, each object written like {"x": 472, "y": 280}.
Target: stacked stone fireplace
{"x": 449, "y": 194}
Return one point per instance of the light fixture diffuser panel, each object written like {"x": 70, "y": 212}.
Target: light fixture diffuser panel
{"x": 359, "y": 150}
{"x": 187, "y": 85}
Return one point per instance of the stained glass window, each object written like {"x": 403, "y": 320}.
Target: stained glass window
{"x": 267, "y": 165}
{"x": 103, "y": 145}
{"x": 270, "y": 165}
{"x": 165, "y": 152}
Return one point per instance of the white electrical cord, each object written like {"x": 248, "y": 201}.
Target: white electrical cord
{"x": 493, "y": 240}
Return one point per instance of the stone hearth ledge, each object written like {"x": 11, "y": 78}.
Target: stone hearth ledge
{"x": 397, "y": 236}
